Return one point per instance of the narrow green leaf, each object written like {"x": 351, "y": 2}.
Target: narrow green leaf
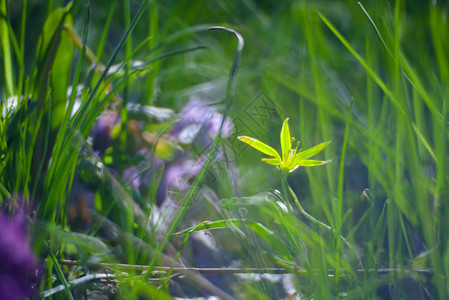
{"x": 286, "y": 142}
{"x": 258, "y": 145}
{"x": 7, "y": 60}
{"x": 262, "y": 230}
{"x": 60, "y": 75}
{"x": 258, "y": 228}
{"x": 303, "y": 155}
{"x": 4, "y": 193}
{"x": 59, "y": 273}
{"x": 47, "y": 47}
{"x": 423, "y": 140}
{"x": 208, "y": 225}
{"x": 368, "y": 69}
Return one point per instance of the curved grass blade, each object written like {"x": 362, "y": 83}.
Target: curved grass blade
{"x": 208, "y": 225}
{"x": 6, "y": 51}
{"x": 210, "y": 157}
{"x": 368, "y": 69}
{"x": 257, "y": 227}
{"x": 59, "y": 273}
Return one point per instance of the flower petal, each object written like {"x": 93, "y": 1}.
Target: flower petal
{"x": 262, "y": 147}
{"x": 286, "y": 141}
{"x": 303, "y": 155}
{"x": 312, "y": 163}
{"x": 272, "y": 161}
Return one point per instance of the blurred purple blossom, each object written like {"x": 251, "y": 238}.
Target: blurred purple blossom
{"x": 199, "y": 115}
{"x": 139, "y": 177}
{"x": 101, "y": 133}
{"x": 176, "y": 179}
{"x": 18, "y": 266}
{"x": 81, "y": 203}
{"x": 199, "y": 124}
{"x": 133, "y": 177}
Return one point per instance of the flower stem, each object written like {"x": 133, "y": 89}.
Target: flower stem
{"x": 301, "y": 209}
{"x": 286, "y": 186}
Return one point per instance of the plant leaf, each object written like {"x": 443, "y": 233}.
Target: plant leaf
{"x": 209, "y": 225}
{"x": 303, "y": 155}
{"x": 286, "y": 142}
{"x": 258, "y": 228}
{"x": 47, "y": 47}
{"x": 261, "y": 230}
{"x": 60, "y": 75}
{"x": 258, "y": 145}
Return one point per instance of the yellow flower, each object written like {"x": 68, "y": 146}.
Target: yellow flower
{"x": 291, "y": 158}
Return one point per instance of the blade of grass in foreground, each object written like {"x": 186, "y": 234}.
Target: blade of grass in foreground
{"x": 406, "y": 68}
{"x": 368, "y": 69}
{"x": 59, "y": 172}
{"x": 338, "y": 210}
{"x": 210, "y": 157}
{"x": 6, "y": 52}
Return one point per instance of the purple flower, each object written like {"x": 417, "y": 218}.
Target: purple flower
{"x": 199, "y": 124}
{"x": 198, "y": 116}
{"x": 101, "y": 133}
{"x": 177, "y": 178}
{"x": 80, "y": 206}
{"x": 18, "y": 267}
{"x": 139, "y": 177}
{"x": 133, "y": 176}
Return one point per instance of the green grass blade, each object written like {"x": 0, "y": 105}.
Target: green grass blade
{"x": 6, "y": 51}
{"x": 368, "y": 69}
